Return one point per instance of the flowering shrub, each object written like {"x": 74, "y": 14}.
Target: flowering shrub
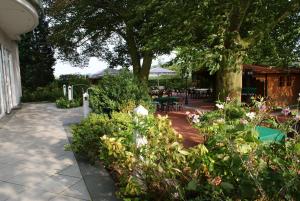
{"x": 150, "y": 163}
{"x": 150, "y": 166}
{"x": 86, "y": 135}
{"x": 242, "y": 167}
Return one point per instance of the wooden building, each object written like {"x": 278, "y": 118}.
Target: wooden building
{"x": 280, "y": 85}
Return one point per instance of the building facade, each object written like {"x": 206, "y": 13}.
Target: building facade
{"x": 280, "y": 85}
{"x": 16, "y": 17}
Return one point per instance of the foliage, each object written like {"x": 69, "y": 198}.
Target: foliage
{"x": 86, "y": 135}
{"x": 114, "y": 34}
{"x": 113, "y": 92}
{"x": 63, "y": 102}
{"x": 221, "y": 35}
{"x": 149, "y": 166}
{"x": 170, "y": 82}
{"x": 49, "y": 93}
{"x": 36, "y": 57}
{"x": 247, "y": 168}
{"x": 72, "y": 79}
{"x": 150, "y": 163}
{"x": 80, "y": 83}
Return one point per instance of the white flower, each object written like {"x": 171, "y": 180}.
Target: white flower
{"x": 141, "y": 141}
{"x": 141, "y": 111}
{"x": 195, "y": 119}
{"x": 221, "y": 120}
{"x": 220, "y": 106}
{"x": 250, "y": 115}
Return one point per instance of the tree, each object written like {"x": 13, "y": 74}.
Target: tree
{"x": 226, "y": 31}
{"x": 112, "y": 30}
{"x": 36, "y": 57}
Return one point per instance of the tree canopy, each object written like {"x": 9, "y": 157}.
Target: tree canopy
{"x": 112, "y": 30}
{"x": 228, "y": 33}
{"x": 36, "y": 57}
{"x": 221, "y": 34}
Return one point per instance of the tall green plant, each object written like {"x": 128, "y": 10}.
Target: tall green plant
{"x": 113, "y": 92}
{"x": 37, "y": 57}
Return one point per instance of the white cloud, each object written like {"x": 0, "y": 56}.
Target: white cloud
{"x": 95, "y": 65}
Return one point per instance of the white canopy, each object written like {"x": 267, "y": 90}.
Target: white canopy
{"x": 157, "y": 71}
{"x": 161, "y": 71}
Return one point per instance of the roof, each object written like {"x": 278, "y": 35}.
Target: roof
{"x": 260, "y": 69}
{"x": 161, "y": 71}
{"x": 107, "y": 71}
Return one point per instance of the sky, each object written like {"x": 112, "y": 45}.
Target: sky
{"x": 95, "y": 65}
{"x": 62, "y": 68}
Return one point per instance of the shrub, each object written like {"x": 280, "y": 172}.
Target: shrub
{"x": 245, "y": 167}
{"x": 80, "y": 82}
{"x": 151, "y": 166}
{"x": 150, "y": 163}
{"x": 65, "y": 103}
{"x": 113, "y": 92}
{"x": 49, "y": 93}
{"x": 86, "y": 135}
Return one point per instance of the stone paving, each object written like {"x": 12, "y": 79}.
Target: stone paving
{"x": 33, "y": 163}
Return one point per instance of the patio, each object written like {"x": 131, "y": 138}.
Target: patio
{"x": 33, "y": 163}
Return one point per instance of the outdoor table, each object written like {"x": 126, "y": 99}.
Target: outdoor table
{"x": 201, "y": 91}
{"x": 167, "y": 101}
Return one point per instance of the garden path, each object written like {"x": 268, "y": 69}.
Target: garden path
{"x": 33, "y": 163}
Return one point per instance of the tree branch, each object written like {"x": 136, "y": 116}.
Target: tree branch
{"x": 259, "y": 33}
{"x": 133, "y": 50}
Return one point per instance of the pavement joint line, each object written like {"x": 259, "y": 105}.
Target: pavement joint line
{"x": 31, "y": 109}
{"x": 84, "y": 177}
{"x": 62, "y": 193}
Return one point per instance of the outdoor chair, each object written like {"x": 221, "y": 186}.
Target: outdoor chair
{"x": 178, "y": 105}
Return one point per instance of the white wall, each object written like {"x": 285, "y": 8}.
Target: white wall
{"x": 12, "y": 46}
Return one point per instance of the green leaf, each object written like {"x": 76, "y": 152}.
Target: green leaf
{"x": 183, "y": 152}
{"x": 192, "y": 185}
{"x": 297, "y": 148}
{"x": 227, "y": 186}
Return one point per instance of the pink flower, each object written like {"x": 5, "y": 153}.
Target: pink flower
{"x": 244, "y": 121}
{"x": 262, "y": 108}
{"x": 217, "y": 181}
{"x": 286, "y": 111}
{"x": 199, "y": 112}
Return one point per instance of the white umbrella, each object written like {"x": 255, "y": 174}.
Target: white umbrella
{"x": 161, "y": 71}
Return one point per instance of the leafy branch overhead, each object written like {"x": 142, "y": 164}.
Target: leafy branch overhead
{"x": 229, "y": 33}
{"x": 110, "y": 30}
{"x": 226, "y": 33}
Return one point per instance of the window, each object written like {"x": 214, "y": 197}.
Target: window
{"x": 281, "y": 81}
{"x": 288, "y": 80}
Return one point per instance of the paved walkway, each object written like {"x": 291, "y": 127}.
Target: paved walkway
{"x": 33, "y": 163}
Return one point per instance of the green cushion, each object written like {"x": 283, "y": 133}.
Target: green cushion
{"x": 269, "y": 134}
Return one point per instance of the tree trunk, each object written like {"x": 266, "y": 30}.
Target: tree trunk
{"x": 145, "y": 70}
{"x": 141, "y": 71}
{"x": 229, "y": 82}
